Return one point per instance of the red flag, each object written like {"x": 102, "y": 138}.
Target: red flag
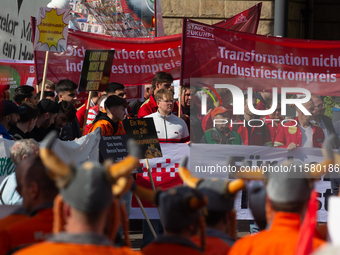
{"x": 246, "y": 21}
{"x": 304, "y": 244}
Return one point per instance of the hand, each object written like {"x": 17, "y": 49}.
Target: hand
{"x": 291, "y": 146}
{"x": 185, "y": 117}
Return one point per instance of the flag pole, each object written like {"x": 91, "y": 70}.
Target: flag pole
{"x": 44, "y": 76}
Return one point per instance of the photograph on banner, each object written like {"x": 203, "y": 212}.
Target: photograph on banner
{"x": 52, "y": 29}
{"x": 125, "y": 14}
{"x": 114, "y": 147}
{"x": 262, "y": 91}
{"x": 144, "y": 132}
{"x": 96, "y": 70}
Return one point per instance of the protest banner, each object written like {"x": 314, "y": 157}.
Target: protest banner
{"x": 143, "y": 131}
{"x": 136, "y": 59}
{"x": 210, "y": 162}
{"x": 258, "y": 62}
{"x": 76, "y": 152}
{"x": 16, "y": 73}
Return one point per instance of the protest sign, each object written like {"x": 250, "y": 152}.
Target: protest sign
{"x": 52, "y": 29}
{"x": 113, "y": 147}
{"x": 258, "y": 62}
{"x": 95, "y": 74}
{"x": 144, "y": 132}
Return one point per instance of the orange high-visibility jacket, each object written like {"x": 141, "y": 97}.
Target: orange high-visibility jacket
{"x": 281, "y": 238}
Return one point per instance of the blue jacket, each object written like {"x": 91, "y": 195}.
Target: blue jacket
{"x": 4, "y": 133}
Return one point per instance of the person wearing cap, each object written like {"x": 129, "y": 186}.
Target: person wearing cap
{"x": 26, "y": 123}
{"x": 9, "y": 118}
{"x": 286, "y": 203}
{"x": 48, "y": 112}
{"x": 181, "y": 215}
{"x": 84, "y": 204}
{"x": 38, "y": 192}
{"x": 170, "y": 128}
{"x": 221, "y": 133}
{"x": 248, "y": 126}
{"x": 300, "y": 132}
{"x": 25, "y": 93}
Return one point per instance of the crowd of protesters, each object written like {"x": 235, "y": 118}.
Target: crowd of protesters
{"x": 79, "y": 203}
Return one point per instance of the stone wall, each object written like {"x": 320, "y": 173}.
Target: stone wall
{"x": 325, "y": 16}
{"x": 212, "y": 11}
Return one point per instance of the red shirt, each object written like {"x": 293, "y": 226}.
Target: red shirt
{"x": 293, "y": 134}
{"x": 150, "y": 106}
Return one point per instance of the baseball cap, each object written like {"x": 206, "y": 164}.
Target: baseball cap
{"x": 218, "y": 110}
{"x": 47, "y": 105}
{"x": 10, "y": 107}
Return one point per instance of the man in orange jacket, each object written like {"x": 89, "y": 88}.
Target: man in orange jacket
{"x": 84, "y": 205}
{"x": 38, "y": 192}
{"x": 287, "y": 202}
{"x": 110, "y": 121}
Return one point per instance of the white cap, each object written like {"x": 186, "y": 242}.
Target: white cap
{"x": 62, "y": 4}
{"x": 102, "y": 103}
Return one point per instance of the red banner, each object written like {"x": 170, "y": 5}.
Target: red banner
{"x": 136, "y": 60}
{"x": 261, "y": 62}
{"x": 16, "y": 73}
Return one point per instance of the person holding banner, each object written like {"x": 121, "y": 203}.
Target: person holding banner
{"x": 161, "y": 80}
{"x": 300, "y": 132}
{"x": 221, "y": 133}
{"x": 252, "y": 135}
{"x": 169, "y": 127}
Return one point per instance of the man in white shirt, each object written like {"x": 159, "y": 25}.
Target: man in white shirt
{"x": 170, "y": 128}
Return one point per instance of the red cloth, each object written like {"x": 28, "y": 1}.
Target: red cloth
{"x": 256, "y": 136}
{"x": 307, "y": 231}
{"x": 81, "y": 114}
{"x": 272, "y": 128}
{"x": 281, "y": 238}
{"x": 287, "y": 135}
{"x": 150, "y": 106}
{"x": 213, "y": 245}
{"x": 32, "y": 230}
{"x": 169, "y": 249}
